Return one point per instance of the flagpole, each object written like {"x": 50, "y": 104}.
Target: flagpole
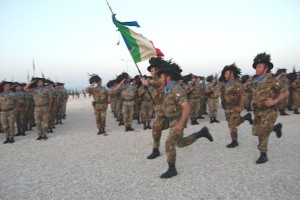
{"x": 137, "y": 67}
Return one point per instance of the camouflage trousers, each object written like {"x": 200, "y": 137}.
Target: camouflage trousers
{"x": 194, "y": 108}
{"x": 20, "y": 118}
{"x": 8, "y": 122}
{"x": 158, "y": 124}
{"x": 146, "y": 111}
{"x": 263, "y": 123}
{"x": 41, "y": 116}
{"x": 213, "y": 104}
{"x": 100, "y": 114}
{"x": 282, "y": 104}
{"x": 248, "y": 100}
{"x": 296, "y": 99}
{"x": 119, "y": 109}
{"x": 234, "y": 119}
{"x": 127, "y": 112}
{"x": 176, "y": 139}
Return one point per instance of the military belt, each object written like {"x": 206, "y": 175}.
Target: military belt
{"x": 7, "y": 110}
{"x": 127, "y": 100}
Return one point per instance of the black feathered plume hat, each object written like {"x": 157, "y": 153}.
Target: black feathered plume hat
{"x": 233, "y": 68}
{"x": 156, "y": 62}
{"x": 280, "y": 71}
{"x": 263, "y": 58}
{"x": 94, "y": 78}
{"x": 172, "y": 69}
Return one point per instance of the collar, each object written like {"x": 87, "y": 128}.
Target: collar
{"x": 229, "y": 82}
{"x": 7, "y": 92}
{"x": 166, "y": 89}
{"x": 260, "y": 78}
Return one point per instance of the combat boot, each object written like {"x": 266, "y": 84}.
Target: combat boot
{"x": 201, "y": 117}
{"x": 262, "y": 159}
{"x": 100, "y": 131}
{"x": 192, "y": 121}
{"x": 248, "y": 117}
{"x": 50, "y": 130}
{"x": 204, "y": 132}
{"x": 211, "y": 120}
{"x": 39, "y": 138}
{"x": 277, "y": 129}
{"x": 155, "y": 153}
{"x": 282, "y": 113}
{"x": 215, "y": 120}
{"x": 145, "y": 127}
{"x": 130, "y": 128}
{"x": 296, "y": 111}
{"x": 148, "y": 125}
{"x": 104, "y": 132}
{"x": 30, "y": 127}
{"x": 233, "y": 144}
{"x": 138, "y": 120}
{"x": 11, "y": 140}
{"x": 19, "y": 132}
{"x": 23, "y": 132}
{"x": 6, "y": 141}
{"x": 195, "y": 121}
{"x": 60, "y": 122}
{"x": 171, "y": 172}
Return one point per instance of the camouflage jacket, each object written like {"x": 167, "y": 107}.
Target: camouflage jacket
{"x": 7, "y": 100}
{"x": 100, "y": 94}
{"x": 174, "y": 97}
{"x": 195, "y": 93}
{"x": 157, "y": 91}
{"x": 233, "y": 92}
{"x": 268, "y": 87}
{"x": 41, "y": 96}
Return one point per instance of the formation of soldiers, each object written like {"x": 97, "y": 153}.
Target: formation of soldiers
{"x": 40, "y": 103}
{"x": 145, "y": 98}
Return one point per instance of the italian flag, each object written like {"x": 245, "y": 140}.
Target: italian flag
{"x": 139, "y": 47}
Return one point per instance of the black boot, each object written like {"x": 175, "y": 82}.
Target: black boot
{"x": 277, "y": 128}
{"x": 192, "y": 121}
{"x": 103, "y": 130}
{"x": 282, "y": 113}
{"x": 148, "y": 125}
{"x": 6, "y": 141}
{"x": 60, "y": 122}
{"x": 233, "y": 144}
{"x": 211, "y": 120}
{"x": 195, "y": 121}
{"x": 19, "y": 132}
{"x": 263, "y": 158}
{"x": 296, "y": 111}
{"x": 170, "y": 173}
{"x": 121, "y": 122}
{"x": 215, "y": 120}
{"x": 248, "y": 117}
{"x": 201, "y": 117}
{"x": 30, "y": 128}
{"x": 145, "y": 127}
{"x": 138, "y": 120}
{"x": 155, "y": 153}
{"x": 23, "y": 132}
{"x": 100, "y": 131}
{"x": 56, "y": 122}
{"x": 11, "y": 140}
{"x": 50, "y": 130}
{"x": 39, "y": 138}
{"x": 204, "y": 132}
{"x": 130, "y": 128}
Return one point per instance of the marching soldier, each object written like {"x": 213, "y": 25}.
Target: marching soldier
{"x": 100, "y": 103}
{"x": 194, "y": 99}
{"x": 176, "y": 109}
{"x": 296, "y": 94}
{"x": 281, "y": 76}
{"x": 128, "y": 94}
{"x": 42, "y": 103}
{"x": 158, "y": 98}
{"x": 146, "y": 106}
{"x": 8, "y": 107}
{"x": 20, "y": 115}
{"x": 212, "y": 98}
{"x": 267, "y": 93}
{"x": 234, "y": 99}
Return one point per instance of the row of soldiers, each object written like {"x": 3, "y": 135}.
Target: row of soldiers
{"x": 142, "y": 96}
{"x": 40, "y": 103}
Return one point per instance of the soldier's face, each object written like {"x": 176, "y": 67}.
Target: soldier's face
{"x": 153, "y": 72}
{"x": 6, "y": 87}
{"x": 227, "y": 75}
{"x": 260, "y": 69}
{"x": 162, "y": 79}
{"x": 40, "y": 83}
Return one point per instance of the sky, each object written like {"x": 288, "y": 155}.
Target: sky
{"x": 69, "y": 39}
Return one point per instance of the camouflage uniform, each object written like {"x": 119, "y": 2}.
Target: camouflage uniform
{"x": 157, "y": 93}
{"x": 146, "y": 107}
{"x": 42, "y": 102}
{"x": 20, "y": 115}
{"x": 249, "y": 94}
{"x": 296, "y": 95}
{"x": 172, "y": 108}
{"x": 265, "y": 117}
{"x": 282, "y": 104}
{"x": 194, "y": 101}
{"x": 128, "y": 94}
{"x": 212, "y": 100}
{"x": 8, "y": 104}
{"x": 100, "y": 96}
{"x": 233, "y": 92}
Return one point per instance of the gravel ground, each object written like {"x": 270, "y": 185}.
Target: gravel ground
{"x": 76, "y": 163}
